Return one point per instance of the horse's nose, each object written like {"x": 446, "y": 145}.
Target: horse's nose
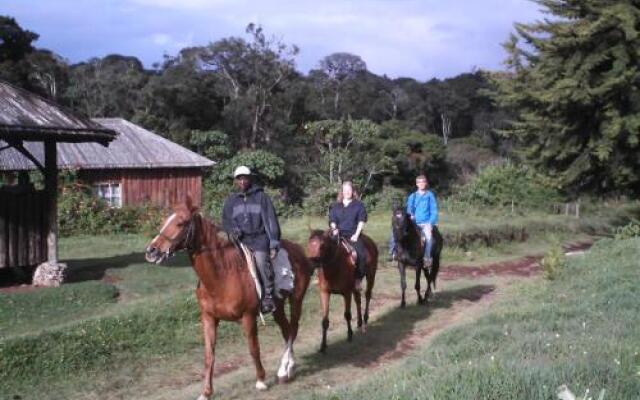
{"x": 151, "y": 253}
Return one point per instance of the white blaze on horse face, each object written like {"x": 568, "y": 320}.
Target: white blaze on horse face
{"x": 166, "y": 224}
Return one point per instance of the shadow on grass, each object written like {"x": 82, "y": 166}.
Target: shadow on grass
{"x": 88, "y": 269}
{"x": 383, "y": 334}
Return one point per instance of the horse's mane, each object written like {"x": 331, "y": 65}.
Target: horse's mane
{"x": 227, "y": 254}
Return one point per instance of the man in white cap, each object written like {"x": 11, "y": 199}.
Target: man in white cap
{"x": 249, "y": 217}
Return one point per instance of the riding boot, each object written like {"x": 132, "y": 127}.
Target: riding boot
{"x": 266, "y": 276}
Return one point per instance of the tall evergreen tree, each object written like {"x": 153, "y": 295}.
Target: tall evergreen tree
{"x": 574, "y": 83}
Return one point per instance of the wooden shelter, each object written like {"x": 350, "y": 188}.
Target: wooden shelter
{"x": 28, "y": 218}
{"x": 138, "y": 168}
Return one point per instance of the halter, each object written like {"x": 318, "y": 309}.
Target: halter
{"x": 184, "y": 239}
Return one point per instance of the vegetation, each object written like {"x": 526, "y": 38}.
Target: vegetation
{"x": 573, "y": 82}
{"x": 80, "y": 212}
{"x": 580, "y": 330}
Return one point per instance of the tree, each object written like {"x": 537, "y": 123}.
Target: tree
{"x": 337, "y": 69}
{"x": 575, "y": 84}
{"x": 15, "y": 45}
{"x": 252, "y": 73}
{"x": 107, "y": 87}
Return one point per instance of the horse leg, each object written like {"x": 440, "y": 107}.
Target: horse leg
{"x": 285, "y": 328}
{"x": 210, "y": 328}
{"x": 357, "y": 296}
{"x": 324, "y": 300}
{"x": 403, "y": 282}
{"x": 417, "y": 287}
{"x": 347, "y": 315}
{"x": 367, "y": 299}
{"x": 250, "y": 326}
{"x": 296, "y": 312}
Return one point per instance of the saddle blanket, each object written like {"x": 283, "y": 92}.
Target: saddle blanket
{"x": 283, "y": 272}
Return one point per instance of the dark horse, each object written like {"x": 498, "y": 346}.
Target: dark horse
{"x": 226, "y": 290}
{"x": 410, "y": 250}
{"x": 337, "y": 276}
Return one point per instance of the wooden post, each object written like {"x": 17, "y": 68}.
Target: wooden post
{"x": 51, "y": 188}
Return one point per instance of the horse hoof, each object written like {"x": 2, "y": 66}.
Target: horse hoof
{"x": 323, "y": 350}
{"x": 403, "y": 304}
{"x": 282, "y": 380}
{"x": 260, "y": 385}
{"x": 203, "y": 397}
{"x": 350, "y": 337}
{"x": 363, "y": 329}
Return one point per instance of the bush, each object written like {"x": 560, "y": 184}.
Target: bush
{"x": 631, "y": 230}
{"x": 505, "y": 185}
{"x": 80, "y": 212}
{"x": 385, "y": 200}
{"x": 318, "y": 201}
{"x": 554, "y": 262}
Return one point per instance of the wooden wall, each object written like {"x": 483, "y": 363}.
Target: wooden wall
{"x": 23, "y": 240}
{"x": 161, "y": 187}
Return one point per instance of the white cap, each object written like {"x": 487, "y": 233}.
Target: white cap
{"x": 241, "y": 170}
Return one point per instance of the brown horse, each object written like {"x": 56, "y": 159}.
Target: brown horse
{"x": 337, "y": 276}
{"x": 226, "y": 290}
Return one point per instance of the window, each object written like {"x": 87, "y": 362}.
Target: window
{"x": 109, "y": 192}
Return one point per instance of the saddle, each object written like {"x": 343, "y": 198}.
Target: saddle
{"x": 283, "y": 279}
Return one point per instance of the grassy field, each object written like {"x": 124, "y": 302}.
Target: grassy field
{"x": 581, "y": 330}
{"x": 121, "y": 315}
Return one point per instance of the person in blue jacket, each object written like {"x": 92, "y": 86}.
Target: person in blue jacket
{"x": 422, "y": 206}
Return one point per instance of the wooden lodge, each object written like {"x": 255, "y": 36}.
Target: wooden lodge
{"x": 138, "y": 168}
{"x": 28, "y": 217}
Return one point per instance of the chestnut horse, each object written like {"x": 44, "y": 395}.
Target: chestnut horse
{"x": 226, "y": 290}
{"x": 337, "y": 276}
{"x": 410, "y": 250}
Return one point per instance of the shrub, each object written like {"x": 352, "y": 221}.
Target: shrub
{"x": 504, "y": 185}
{"x": 631, "y": 230}
{"x": 318, "y": 201}
{"x": 554, "y": 262}
{"x": 80, "y": 212}
{"x": 385, "y": 199}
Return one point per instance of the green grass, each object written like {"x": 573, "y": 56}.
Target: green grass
{"x": 123, "y": 314}
{"x": 581, "y": 329}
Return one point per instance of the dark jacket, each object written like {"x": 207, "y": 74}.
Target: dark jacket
{"x": 347, "y": 218}
{"x": 252, "y": 217}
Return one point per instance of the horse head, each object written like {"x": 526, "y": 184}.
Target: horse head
{"x": 320, "y": 247}
{"x": 400, "y": 222}
{"x": 178, "y": 232}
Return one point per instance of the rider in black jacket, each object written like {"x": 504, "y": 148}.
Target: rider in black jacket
{"x": 249, "y": 216}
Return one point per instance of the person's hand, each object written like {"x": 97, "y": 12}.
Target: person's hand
{"x": 413, "y": 217}
{"x": 273, "y": 253}
{"x": 235, "y": 235}
{"x": 354, "y": 238}
{"x": 334, "y": 232}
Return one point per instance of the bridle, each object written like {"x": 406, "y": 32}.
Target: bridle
{"x": 324, "y": 260}
{"x": 183, "y": 240}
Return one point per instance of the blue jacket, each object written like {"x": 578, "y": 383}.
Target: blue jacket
{"x": 423, "y": 207}
{"x": 252, "y": 217}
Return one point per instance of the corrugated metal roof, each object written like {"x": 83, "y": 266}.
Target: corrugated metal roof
{"x": 27, "y": 116}
{"x": 134, "y": 147}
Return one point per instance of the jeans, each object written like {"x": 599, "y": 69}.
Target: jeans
{"x": 427, "y": 231}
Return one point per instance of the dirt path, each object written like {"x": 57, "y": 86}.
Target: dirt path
{"x": 464, "y": 294}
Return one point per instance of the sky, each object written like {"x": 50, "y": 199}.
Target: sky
{"x": 421, "y": 39}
